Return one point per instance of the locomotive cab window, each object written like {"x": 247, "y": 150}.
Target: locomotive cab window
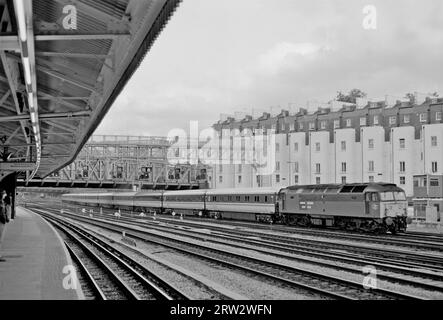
{"x": 399, "y": 195}
{"x": 387, "y": 196}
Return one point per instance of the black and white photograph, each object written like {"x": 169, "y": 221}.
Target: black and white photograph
{"x": 215, "y": 158}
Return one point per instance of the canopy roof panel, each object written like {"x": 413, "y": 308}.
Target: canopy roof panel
{"x": 62, "y": 65}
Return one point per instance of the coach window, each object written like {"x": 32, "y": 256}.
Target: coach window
{"x": 266, "y": 198}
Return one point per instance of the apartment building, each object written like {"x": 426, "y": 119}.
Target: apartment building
{"x": 371, "y": 142}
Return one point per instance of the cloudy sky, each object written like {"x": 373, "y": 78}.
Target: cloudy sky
{"x": 228, "y": 56}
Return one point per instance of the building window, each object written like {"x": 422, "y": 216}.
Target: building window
{"x": 343, "y": 180}
{"x": 296, "y": 147}
{"x": 311, "y": 125}
{"x": 323, "y": 124}
{"x": 273, "y": 127}
{"x": 257, "y": 178}
{"x": 375, "y": 120}
{"x": 371, "y": 166}
{"x": 343, "y": 146}
{"x": 277, "y": 165}
{"x": 239, "y": 179}
{"x": 277, "y": 178}
{"x": 343, "y": 167}
{"x": 317, "y": 168}
{"x": 220, "y": 168}
{"x": 348, "y": 122}
{"x": 296, "y": 167}
{"x": 406, "y": 118}
{"x": 402, "y": 166}
{"x": 363, "y": 121}
{"x": 336, "y": 124}
{"x": 371, "y": 178}
{"x": 282, "y": 127}
{"x": 402, "y": 143}
{"x": 317, "y": 180}
{"x": 292, "y": 126}
{"x": 392, "y": 120}
{"x": 220, "y": 179}
{"x": 317, "y": 146}
{"x": 402, "y": 180}
{"x": 434, "y": 166}
{"x": 371, "y": 143}
{"x": 277, "y": 147}
{"x": 301, "y": 126}
{"x": 239, "y": 168}
{"x": 438, "y": 116}
{"x": 434, "y": 141}
{"x": 422, "y": 117}
{"x": 296, "y": 179}
{"x": 433, "y": 182}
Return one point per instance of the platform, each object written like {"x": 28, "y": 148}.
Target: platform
{"x": 35, "y": 258}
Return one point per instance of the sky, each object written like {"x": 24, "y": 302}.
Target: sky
{"x": 221, "y": 57}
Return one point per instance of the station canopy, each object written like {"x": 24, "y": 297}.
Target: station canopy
{"x": 62, "y": 65}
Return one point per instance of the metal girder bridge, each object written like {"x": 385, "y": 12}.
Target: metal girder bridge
{"x": 62, "y": 65}
{"x": 128, "y": 161}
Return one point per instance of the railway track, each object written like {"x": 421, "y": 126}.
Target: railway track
{"x": 109, "y": 272}
{"x": 393, "y": 274}
{"x": 399, "y": 258}
{"x": 264, "y": 246}
{"x": 327, "y": 286}
{"x": 419, "y": 242}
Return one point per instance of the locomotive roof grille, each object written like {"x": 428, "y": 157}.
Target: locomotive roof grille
{"x": 345, "y": 188}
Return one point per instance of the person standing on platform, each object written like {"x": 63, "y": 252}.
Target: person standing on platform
{"x": 8, "y": 205}
{"x": 3, "y": 219}
{"x": 12, "y": 207}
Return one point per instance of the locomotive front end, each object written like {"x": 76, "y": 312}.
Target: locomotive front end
{"x": 394, "y": 210}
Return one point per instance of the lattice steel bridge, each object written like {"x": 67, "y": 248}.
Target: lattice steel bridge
{"x": 128, "y": 162}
